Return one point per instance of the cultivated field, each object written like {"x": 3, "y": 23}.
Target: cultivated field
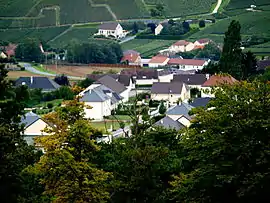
{"x": 252, "y": 23}
{"x": 184, "y": 7}
{"x": 147, "y": 47}
{"x": 235, "y": 4}
{"x": 79, "y": 71}
{"x": 17, "y": 35}
{"x": 80, "y": 34}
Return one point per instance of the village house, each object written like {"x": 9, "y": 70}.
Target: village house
{"x": 169, "y": 123}
{"x": 181, "y": 46}
{"x": 115, "y": 86}
{"x": 188, "y": 64}
{"x": 34, "y": 126}
{"x": 216, "y": 81}
{"x": 99, "y": 101}
{"x": 9, "y": 50}
{"x": 158, "y": 61}
{"x": 180, "y": 113}
{"x": 146, "y": 77}
{"x": 43, "y": 83}
{"x": 132, "y": 58}
{"x": 160, "y": 27}
{"x": 171, "y": 92}
{"x": 111, "y": 29}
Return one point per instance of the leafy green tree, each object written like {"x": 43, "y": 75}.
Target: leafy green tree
{"x": 85, "y": 83}
{"x": 15, "y": 155}
{"x": 29, "y": 51}
{"x": 62, "y": 80}
{"x": 67, "y": 170}
{"x": 226, "y": 158}
{"x": 230, "y": 61}
{"x": 201, "y": 23}
{"x": 162, "y": 108}
{"x": 142, "y": 165}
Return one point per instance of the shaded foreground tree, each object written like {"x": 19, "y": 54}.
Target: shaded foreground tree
{"x": 67, "y": 170}
{"x": 226, "y": 148}
{"x": 15, "y": 155}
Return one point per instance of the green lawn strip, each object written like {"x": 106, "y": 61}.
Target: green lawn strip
{"x": 120, "y": 117}
{"x": 55, "y": 103}
{"x": 86, "y": 25}
{"x": 41, "y": 68}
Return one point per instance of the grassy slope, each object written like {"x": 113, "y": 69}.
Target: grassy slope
{"x": 235, "y": 4}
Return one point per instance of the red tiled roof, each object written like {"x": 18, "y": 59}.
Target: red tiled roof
{"x": 158, "y": 59}
{"x": 215, "y": 80}
{"x": 130, "y": 57}
{"x": 198, "y": 47}
{"x": 193, "y": 62}
{"x": 181, "y": 43}
{"x": 203, "y": 41}
{"x": 10, "y": 49}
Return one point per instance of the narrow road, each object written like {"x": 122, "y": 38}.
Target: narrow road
{"x": 31, "y": 69}
{"x": 217, "y": 7}
{"x": 126, "y": 39}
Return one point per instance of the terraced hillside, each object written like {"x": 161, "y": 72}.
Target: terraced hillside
{"x": 70, "y": 11}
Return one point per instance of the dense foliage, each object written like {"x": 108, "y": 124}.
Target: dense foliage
{"x": 94, "y": 53}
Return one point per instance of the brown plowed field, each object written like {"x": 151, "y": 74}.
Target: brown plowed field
{"x": 79, "y": 71}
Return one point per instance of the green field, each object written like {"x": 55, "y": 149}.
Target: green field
{"x": 81, "y": 34}
{"x": 252, "y": 23}
{"x": 184, "y": 7}
{"x": 17, "y": 35}
{"x": 147, "y": 47}
{"x": 235, "y": 4}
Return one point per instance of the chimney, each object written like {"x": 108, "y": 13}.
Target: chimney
{"x": 31, "y": 79}
{"x": 207, "y": 76}
{"x": 161, "y": 121}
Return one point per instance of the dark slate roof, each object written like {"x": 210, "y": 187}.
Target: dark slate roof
{"x": 167, "y": 88}
{"x": 182, "y": 109}
{"x": 190, "y": 79}
{"x": 29, "y": 118}
{"x": 169, "y": 123}
{"x": 108, "y": 26}
{"x": 95, "y": 77}
{"x": 148, "y": 73}
{"x": 200, "y": 102}
{"x": 111, "y": 83}
{"x": 100, "y": 94}
{"x": 37, "y": 83}
{"x": 125, "y": 79}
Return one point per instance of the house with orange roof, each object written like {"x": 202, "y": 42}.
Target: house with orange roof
{"x": 132, "y": 58}
{"x": 215, "y": 81}
{"x": 181, "y": 46}
{"x": 158, "y": 61}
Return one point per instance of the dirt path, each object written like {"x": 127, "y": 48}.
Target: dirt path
{"x": 217, "y": 6}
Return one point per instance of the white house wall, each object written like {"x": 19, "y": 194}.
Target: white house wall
{"x": 158, "y": 29}
{"x": 98, "y": 110}
{"x": 36, "y": 128}
{"x": 165, "y": 78}
{"x": 183, "y": 120}
{"x": 145, "y": 81}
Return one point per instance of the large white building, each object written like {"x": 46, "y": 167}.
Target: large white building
{"x": 188, "y": 64}
{"x": 99, "y": 101}
{"x": 111, "y": 29}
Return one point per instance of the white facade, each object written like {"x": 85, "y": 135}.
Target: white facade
{"x": 158, "y": 29}
{"x": 165, "y": 78}
{"x": 125, "y": 94}
{"x": 158, "y": 64}
{"x": 172, "y": 98}
{"x": 181, "y": 48}
{"x": 145, "y": 81}
{"x": 117, "y": 33}
{"x": 34, "y": 130}
{"x": 183, "y": 120}
{"x": 98, "y": 110}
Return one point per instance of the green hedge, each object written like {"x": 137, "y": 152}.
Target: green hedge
{"x": 167, "y": 37}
